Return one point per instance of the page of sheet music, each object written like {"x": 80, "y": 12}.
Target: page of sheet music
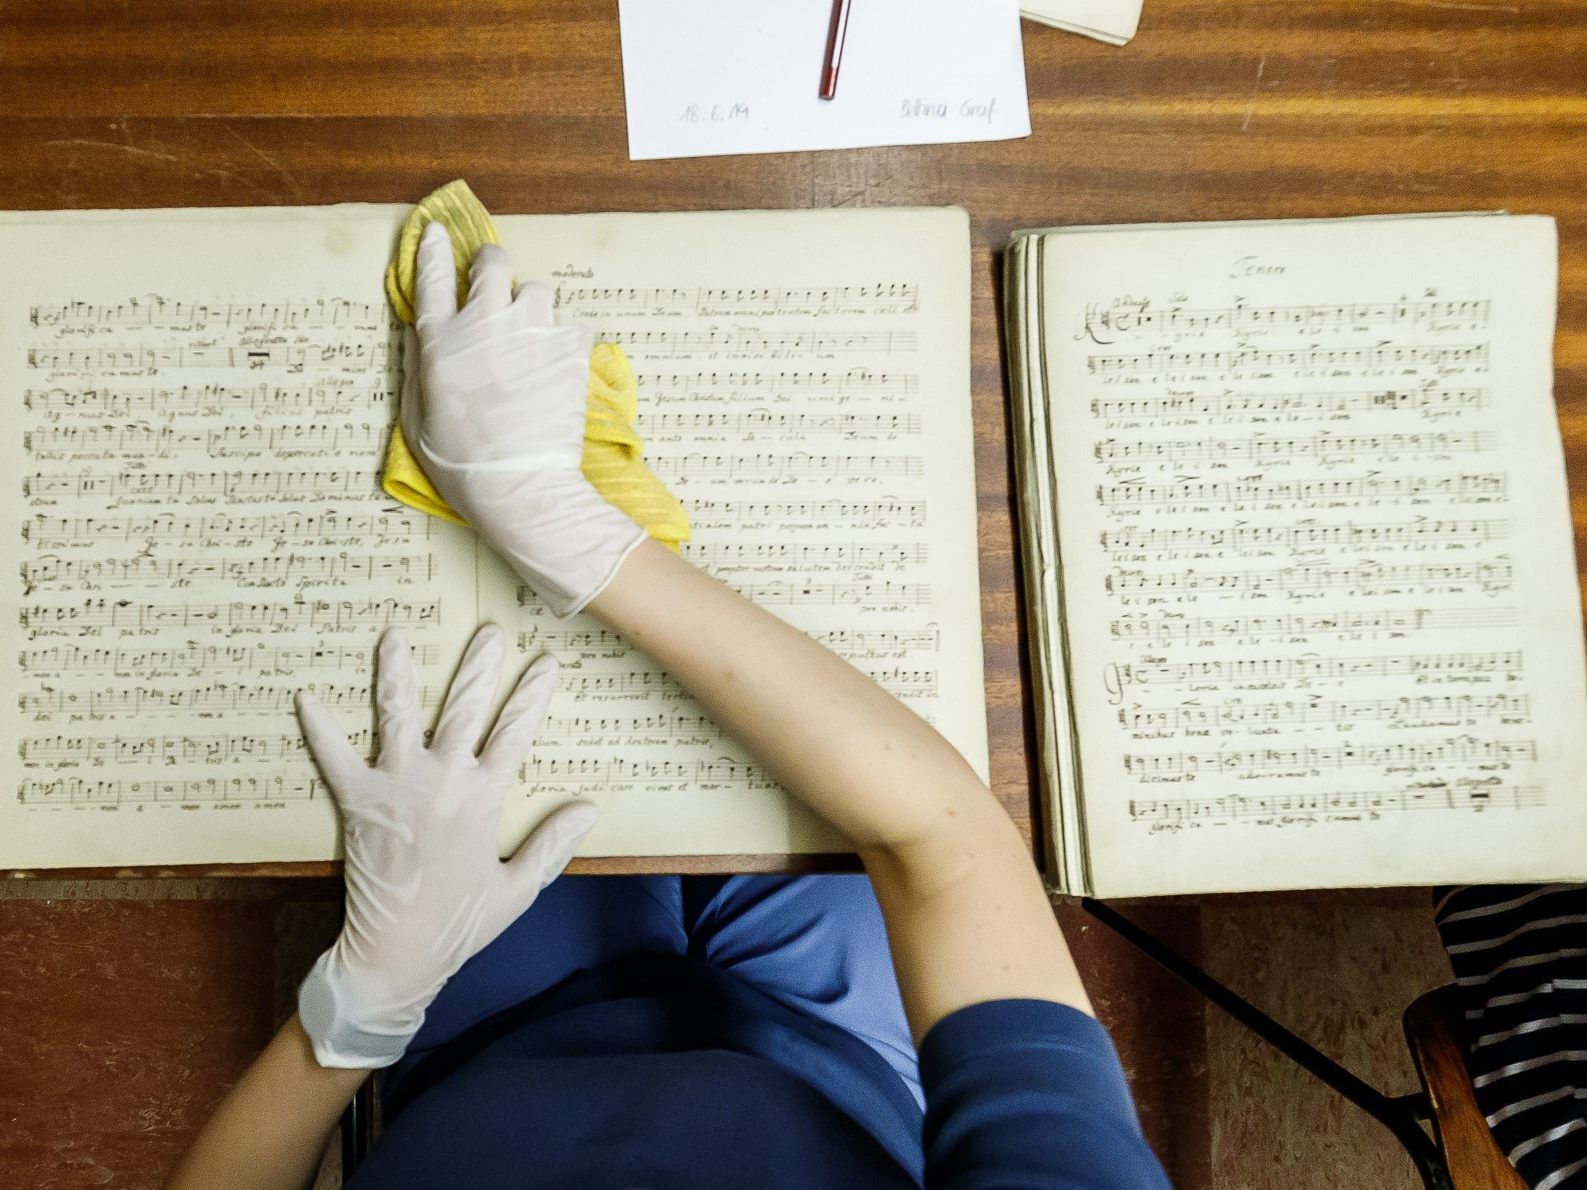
{"x": 804, "y": 381}
{"x": 199, "y": 403}
{"x": 1318, "y": 576}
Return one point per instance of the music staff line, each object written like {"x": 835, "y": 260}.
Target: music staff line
{"x": 757, "y": 383}
{"x": 165, "y": 440}
{"x": 856, "y": 554}
{"x": 1426, "y": 709}
{"x": 50, "y": 571}
{"x": 661, "y": 344}
{"x": 114, "y": 791}
{"x": 186, "y": 399}
{"x": 159, "y": 313}
{"x": 765, "y": 421}
{"x": 149, "y": 662}
{"x": 214, "y": 698}
{"x": 1347, "y": 804}
{"x": 1468, "y": 355}
{"x": 1463, "y": 749}
{"x": 233, "y": 485}
{"x": 721, "y": 301}
{"x": 1303, "y": 492}
{"x": 1314, "y": 666}
{"x": 767, "y": 466}
{"x": 320, "y": 614}
{"x": 1171, "y": 627}
{"x": 1489, "y": 576}
{"x": 886, "y": 510}
{"x": 1262, "y": 449}
{"x": 1233, "y": 404}
{"x": 1129, "y": 318}
{"x": 363, "y": 356}
{"x": 1292, "y": 535}
{"x": 47, "y": 532}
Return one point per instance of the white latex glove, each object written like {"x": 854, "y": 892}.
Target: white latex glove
{"x": 425, "y": 889}
{"x": 496, "y": 419}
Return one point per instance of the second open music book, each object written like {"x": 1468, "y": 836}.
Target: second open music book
{"x": 1299, "y": 563}
{"x": 197, "y": 409}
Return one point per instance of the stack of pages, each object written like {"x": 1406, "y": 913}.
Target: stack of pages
{"x": 1299, "y": 566}
{"x": 1113, "y": 21}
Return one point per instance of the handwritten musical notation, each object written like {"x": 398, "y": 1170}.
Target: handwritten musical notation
{"x": 1126, "y": 317}
{"x": 1473, "y": 356}
{"x": 1373, "y": 489}
{"x": 1391, "y": 621}
{"x": 1246, "y": 539}
{"x": 201, "y": 537}
{"x": 808, "y": 431}
{"x": 660, "y": 345}
{"x": 155, "y": 312}
{"x": 1354, "y": 805}
{"x": 1427, "y": 399}
{"x": 739, "y": 302}
{"x": 1292, "y": 554}
{"x": 1261, "y": 449}
{"x": 1430, "y": 709}
{"x": 254, "y": 790}
{"x": 731, "y": 387}
{"x": 201, "y": 533}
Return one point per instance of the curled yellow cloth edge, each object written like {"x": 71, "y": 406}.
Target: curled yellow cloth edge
{"x": 613, "y": 461}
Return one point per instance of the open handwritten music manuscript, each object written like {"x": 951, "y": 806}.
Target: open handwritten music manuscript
{"x": 197, "y": 406}
{"x": 1303, "y": 597}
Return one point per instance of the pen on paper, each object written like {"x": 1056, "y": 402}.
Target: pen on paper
{"x": 837, "y": 33}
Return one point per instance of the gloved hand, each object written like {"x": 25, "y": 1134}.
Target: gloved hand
{"x": 495, "y": 411}
{"x": 425, "y": 889}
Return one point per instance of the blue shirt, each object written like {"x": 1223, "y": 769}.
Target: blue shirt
{"x": 660, "y": 1071}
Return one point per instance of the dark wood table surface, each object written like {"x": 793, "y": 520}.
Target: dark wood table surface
{"x": 1219, "y": 109}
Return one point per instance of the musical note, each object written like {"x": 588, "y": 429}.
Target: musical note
{"x": 1301, "y": 807}
{"x": 1420, "y": 709}
{"x": 722, "y": 301}
{"x": 1297, "y": 359}
{"x": 1132, "y": 317}
{"x": 1307, "y": 404}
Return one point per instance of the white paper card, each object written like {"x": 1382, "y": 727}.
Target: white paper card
{"x": 1112, "y": 21}
{"x": 710, "y": 77}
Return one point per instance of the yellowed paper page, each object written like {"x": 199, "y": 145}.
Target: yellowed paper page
{"x": 1319, "y": 584}
{"x": 199, "y": 401}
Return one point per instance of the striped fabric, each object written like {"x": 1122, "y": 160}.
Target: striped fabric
{"x": 1519, "y": 953}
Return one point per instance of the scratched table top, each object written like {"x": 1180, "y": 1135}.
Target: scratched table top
{"x": 1220, "y": 109}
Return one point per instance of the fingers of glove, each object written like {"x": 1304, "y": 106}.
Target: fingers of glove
{"x": 396, "y": 702}
{"x": 436, "y": 286}
{"x": 534, "y": 302}
{"x": 546, "y": 852}
{"x": 408, "y": 411}
{"x": 520, "y": 719}
{"x": 490, "y": 280}
{"x": 338, "y": 760}
{"x": 467, "y": 708}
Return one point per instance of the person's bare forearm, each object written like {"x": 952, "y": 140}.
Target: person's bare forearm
{"x": 270, "y": 1131}
{"x": 966, "y": 912}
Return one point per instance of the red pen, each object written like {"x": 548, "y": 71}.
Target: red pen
{"x": 836, "y": 32}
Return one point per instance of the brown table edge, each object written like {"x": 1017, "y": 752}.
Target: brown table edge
{"x": 625, "y": 865}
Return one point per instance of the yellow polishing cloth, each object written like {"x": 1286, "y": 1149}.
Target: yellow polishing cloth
{"x": 612, "y": 449}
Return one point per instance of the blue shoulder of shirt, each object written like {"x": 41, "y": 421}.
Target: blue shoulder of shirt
{"x": 1028, "y": 1093}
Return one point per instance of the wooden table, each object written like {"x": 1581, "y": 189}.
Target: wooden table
{"x": 1220, "y": 109}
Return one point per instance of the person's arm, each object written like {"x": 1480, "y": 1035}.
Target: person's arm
{"x": 425, "y": 892}
{"x": 966, "y": 912}
{"x": 497, "y": 422}
{"x": 270, "y": 1131}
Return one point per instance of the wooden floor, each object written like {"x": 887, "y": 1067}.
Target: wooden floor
{"x": 128, "y": 1007}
